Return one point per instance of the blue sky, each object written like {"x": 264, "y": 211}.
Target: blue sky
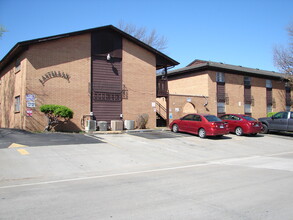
{"x": 229, "y": 31}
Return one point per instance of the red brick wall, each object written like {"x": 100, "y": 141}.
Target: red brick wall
{"x": 69, "y": 56}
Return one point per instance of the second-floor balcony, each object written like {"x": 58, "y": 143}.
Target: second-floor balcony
{"x": 162, "y": 87}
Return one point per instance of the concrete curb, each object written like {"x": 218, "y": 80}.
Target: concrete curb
{"x": 129, "y": 131}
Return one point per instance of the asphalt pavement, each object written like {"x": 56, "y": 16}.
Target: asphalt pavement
{"x": 147, "y": 175}
{"x": 9, "y": 137}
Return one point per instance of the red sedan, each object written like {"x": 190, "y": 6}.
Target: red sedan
{"x": 203, "y": 125}
{"x": 242, "y": 124}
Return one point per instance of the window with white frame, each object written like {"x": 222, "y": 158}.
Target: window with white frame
{"x": 269, "y": 108}
{"x": 220, "y": 77}
{"x": 17, "y": 104}
{"x": 221, "y": 107}
{"x": 269, "y": 83}
{"x": 247, "y": 108}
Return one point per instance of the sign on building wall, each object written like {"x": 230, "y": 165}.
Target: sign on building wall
{"x": 29, "y": 112}
{"x": 54, "y": 74}
{"x": 30, "y": 104}
{"x": 30, "y": 97}
{"x": 30, "y": 101}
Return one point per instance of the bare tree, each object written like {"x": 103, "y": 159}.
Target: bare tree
{"x": 283, "y": 57}
{"x": 141, "y": 33}
{"x": 2, "y": 30}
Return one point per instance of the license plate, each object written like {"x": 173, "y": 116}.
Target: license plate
{"x": 221, "y": 126}
{"x": 257, "y": 125}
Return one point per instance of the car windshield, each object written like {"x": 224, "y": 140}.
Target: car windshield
{"x": 248, "y": 118}
{"x": 212, "y": 118}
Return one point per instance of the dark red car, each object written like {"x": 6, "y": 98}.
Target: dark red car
{"x": 203, "y": 125}
{"x": 242, "y": 124}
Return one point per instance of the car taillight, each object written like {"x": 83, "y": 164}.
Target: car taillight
{"x": 213, "y": 125}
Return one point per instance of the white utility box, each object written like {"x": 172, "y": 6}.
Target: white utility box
{"x": 91, "y": 125}
{"x": 129, "y": 124}
{"x": 116, "y": 125}
{"x": 102, "y": 125}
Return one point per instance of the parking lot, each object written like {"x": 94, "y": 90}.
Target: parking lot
{"x": 148, "y": 175}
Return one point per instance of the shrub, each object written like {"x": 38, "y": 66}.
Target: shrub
{"x": 270, "y": 114}
{"x": 56, "y": 114}
{"x": 142, "y": 121}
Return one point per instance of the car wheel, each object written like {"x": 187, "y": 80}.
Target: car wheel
{"x": 238, "y": 131}
{"x": 175, "y": 128}
{"x": 265, "y": 129}
{"x": 202, "y": 133}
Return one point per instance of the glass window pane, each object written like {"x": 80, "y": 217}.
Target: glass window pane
{"x": 247, "y": 80}
{"x": 220, "y": 77}
{"x": 17, "y": 104}
{"x": 221, "y": 107}
{"x": 269, "y": 108}
{"x": 249, "y": 118}
{"x": 212, "y": 118}
{"x": 269, "y": 83}
{"x": 247, "y": 108}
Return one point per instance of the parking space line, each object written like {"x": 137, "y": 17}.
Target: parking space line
{"x": 279, "y": 154}
{"x": 16, "y": 145}
{"x": 23, "y": 151}
{"x": 111, "y": 175}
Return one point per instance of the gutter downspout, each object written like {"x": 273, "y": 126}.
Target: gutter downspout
{"x": 167, "y": 99}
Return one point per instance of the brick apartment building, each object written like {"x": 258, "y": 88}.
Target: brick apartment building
{"x": 101, "y": 70}
{"x": 217, "y": 88}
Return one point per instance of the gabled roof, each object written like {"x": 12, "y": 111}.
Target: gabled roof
{"x": 162, "y": 60}
{"x": 199, "y": 65}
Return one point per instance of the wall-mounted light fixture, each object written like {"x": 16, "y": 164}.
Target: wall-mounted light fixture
{"x": 108, "y": 57}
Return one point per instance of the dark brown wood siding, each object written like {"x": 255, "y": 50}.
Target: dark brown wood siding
{"x": 162, "y": 88}
{"x": 288, "y": 96}
{"x": 269, "y": 96}
{"x": 106, "y": 101}
{"x": 247, "y": 94}
{"x": 221, "y": 92}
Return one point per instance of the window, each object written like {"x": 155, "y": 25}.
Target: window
{"x": 188, "y": 118}
{"x": 288, "y": 98}
{"x": 281, "y": 115}
{"x": 248, "y": 118}
{"x": 212, "y": 118}
{"x": 221, "y": 107}
{"x": 269, "y": 108}
{"x": 247, "y": 81}
{"x": 220, "y": 77}
{"x": 269, "y": 83}
{"x": 196, "y": 118}
{"x": 235, "y": 118}
{"x": 17, "y": 104}
{"x": 247, "y": 108}
{"x": 17, "y": 65}
{"x": 225, "y": 117}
